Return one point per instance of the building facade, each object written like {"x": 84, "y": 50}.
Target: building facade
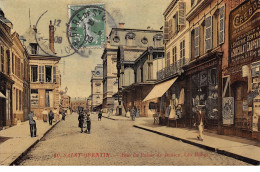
{"x": 20, "y": 74}
{"x": 5, "y": 63}
{"x": 78, "y": 102}
{"x": 97, "y": 87}
{"x": 45, "y": 77}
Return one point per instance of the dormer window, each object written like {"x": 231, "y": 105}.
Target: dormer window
{"x": 34, "y": 48}
{"x": 116, "y": 39}
{"x": 130, "y": 38}
{"x": 144, "y": 40}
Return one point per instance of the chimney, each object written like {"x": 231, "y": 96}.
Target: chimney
{"x": 51, "y": 37}
{"x": 121, "y": 25}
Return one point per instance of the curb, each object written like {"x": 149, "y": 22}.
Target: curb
{"x": 209, "y": 148}
{"x": 16, "y": 161}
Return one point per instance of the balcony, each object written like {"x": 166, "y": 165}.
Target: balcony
{"x": 173, "y": 69}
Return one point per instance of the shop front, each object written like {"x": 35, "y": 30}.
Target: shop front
{"x": 243, "y": 71}
{"x": 203, "y": 89}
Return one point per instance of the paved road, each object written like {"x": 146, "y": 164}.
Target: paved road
{"x": 116, "y": 143}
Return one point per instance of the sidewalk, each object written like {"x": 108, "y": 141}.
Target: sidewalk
{"x": 238, "y": 148}
{"x": 16, "y": 140}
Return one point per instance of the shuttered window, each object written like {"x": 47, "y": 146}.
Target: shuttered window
{"x": 41, "y": 73}
{"x": 181, "y": 20}
{"x": 208, "y": 35}
{"x": 54, "y": 74}
{"x": 174, "y": 55}
{"x": 196, "y": 42}
{"x": 166, "y": 31}
{"x": 221, "y": 24}
{"x": 182, "y": 52}
{"x": 170, "y": 27}
{"x": 168, "y": 59}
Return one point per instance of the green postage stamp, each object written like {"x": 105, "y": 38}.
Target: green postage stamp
{"x": 86, "y": 27}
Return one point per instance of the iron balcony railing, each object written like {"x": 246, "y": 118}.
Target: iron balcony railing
{"x": 172, "y": 69}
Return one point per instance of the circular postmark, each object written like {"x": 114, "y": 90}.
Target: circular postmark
{"x": 84, "y": 30}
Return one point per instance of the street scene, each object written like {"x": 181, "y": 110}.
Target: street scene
{"x": 130, "y": 83}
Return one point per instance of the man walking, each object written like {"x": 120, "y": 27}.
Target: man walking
{"x": 99, "y": 115}
{"x": 200, "y": 121}
{"x": 32, "y": 124}
{"x": 88, "y": 123}
{"x": 81, "y": 119}
{"x": 51, "y": 116}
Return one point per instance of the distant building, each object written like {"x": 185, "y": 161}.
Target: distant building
{"x": 97, "y": 88}
{"x": 78, "y": 102}
{"x": 45, "y": 74}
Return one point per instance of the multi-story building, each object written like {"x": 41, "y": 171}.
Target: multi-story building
{"x": 170, "y": 84}
{"x": 20, "y": 74}
{"x": 97, "y": 87}
{"x": 5, "y": 63}
{"x": 241, "y": 77}
{"x": 78, "y": 102}
{"x": 45, "y": 74}
{"x": 136, "y": 87}
{"x": 134, "y": 42}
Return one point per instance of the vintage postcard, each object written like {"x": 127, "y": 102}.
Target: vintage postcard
{"x": 129, "y": 82}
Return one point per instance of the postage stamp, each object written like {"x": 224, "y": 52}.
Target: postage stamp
{"x": 86, "y": 26}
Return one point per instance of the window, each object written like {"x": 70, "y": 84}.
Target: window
{"x": 34, "y": 73}
{"x": 8, "y": 62}
{"x": 166, "y": 31}
{"x": 208, "y": 33}
{"x": 48, "y": 73}
{"x": 34, "y": 98}
{"x": 174, "y": 56}
{"x": 34, "y": 48}
{"x": 17, "y": 98}
{"x": 18, "y": 67}
{"x": 20, "y": 100}
{"x": 2, "y": 59}
{"x": 48, "y": 98}
{"x": 196, "y": 42}
{"x": 54, "y": 74}
{"x": 168, "y": 59}
{"x": 182, "y": 52}
{"x": 221, "y": 24}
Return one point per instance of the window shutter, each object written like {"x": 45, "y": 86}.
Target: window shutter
{"x": 196, "y": 42}
{"x": 54, "y": 74}
{"x": 176, "y": 23}
{"x": 166, "y": 31}
{"x": 208, "y": 37}
{"x": 181, "y": 20}
{"x": 41, "y": 73}
{"x": 170, "y": 27}
{"x": 221, "y": 24}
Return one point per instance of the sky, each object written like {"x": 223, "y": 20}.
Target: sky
{"x": 75, "y": 69}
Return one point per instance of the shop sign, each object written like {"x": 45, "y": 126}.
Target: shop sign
{"x": 228, "y": 110}
{"x": 244, "y": 33}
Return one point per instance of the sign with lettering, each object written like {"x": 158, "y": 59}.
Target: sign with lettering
{"x": 228, "y": 110}
{"x": 244, "y": 33}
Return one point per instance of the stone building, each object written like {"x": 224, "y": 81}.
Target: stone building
{"x": 134, "y": 42}
{"x": 20, "y": 74}
{"x": 78, "y": 102}
{"x": 5, "y": 63}
{"x": 136, "y": 87}
{"x": 45, "y": 77}
{"x": 97, "y": 87}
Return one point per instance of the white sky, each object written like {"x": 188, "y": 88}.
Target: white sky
{"x": 76, "y": 70}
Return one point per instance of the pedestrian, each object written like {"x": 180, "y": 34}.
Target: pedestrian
{"x": 32, "y": 124}
{"x": 81, "y": 120}
{"x": 200, "y": 121}
{"x": 132, "y": 113}
{"x": 63, "y": 115}
{"x": 99, "y": 115}
{"x": 51, "y": 116}
{"x": 88, "y": 123}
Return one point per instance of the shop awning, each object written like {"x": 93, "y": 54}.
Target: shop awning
{"x": 159, "y": 89}
{"x": 2, "y": 96}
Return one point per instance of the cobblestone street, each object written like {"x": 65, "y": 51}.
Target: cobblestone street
{"x": 116, "y": 142}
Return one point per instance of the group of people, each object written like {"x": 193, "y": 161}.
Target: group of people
{"x": 133, "y": 113}
{"x": 84, "y": 120}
